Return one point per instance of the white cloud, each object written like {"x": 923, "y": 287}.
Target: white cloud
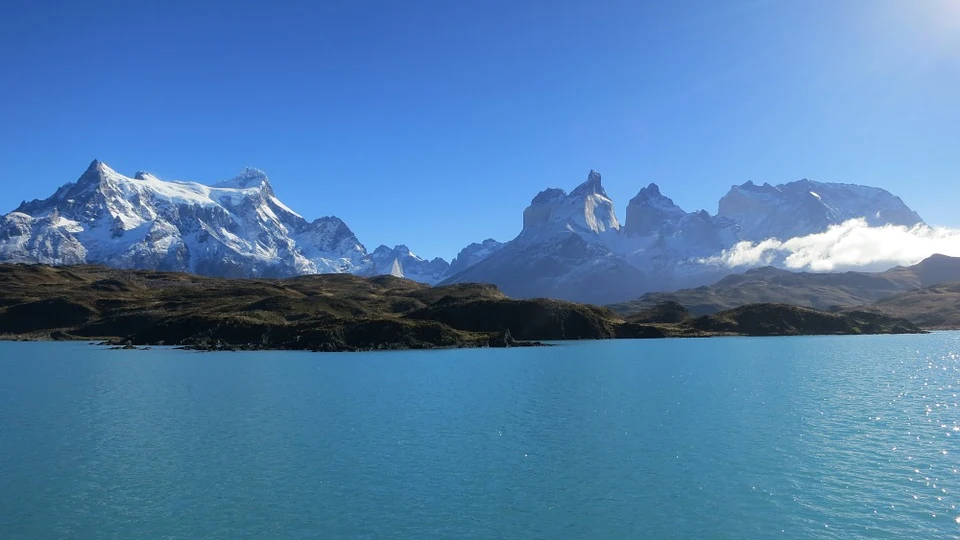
{"x": 852, "y": 245}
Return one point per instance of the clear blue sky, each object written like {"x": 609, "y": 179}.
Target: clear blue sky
{"x": 434, "y": 123}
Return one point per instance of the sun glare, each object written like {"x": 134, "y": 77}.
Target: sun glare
{"x": 943, "y": 17}
{"x": 932, "y": 26}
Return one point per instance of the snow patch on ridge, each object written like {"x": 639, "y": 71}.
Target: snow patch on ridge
{"x": 237, "y": 227}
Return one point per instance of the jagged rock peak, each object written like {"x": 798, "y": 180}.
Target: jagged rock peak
{"x": 652, "y": 191}
{"x": 398, "y": 250}
{"x": 549, "y": 195}
{"x": 650, "y": 212}
{"x": 591, "y": 186}
{"x": 249, "y": 177}
{"x": 94, "y": 173}
{"x": 766, "y": 187}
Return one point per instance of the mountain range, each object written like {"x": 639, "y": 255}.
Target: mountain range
{"x": 234, "y": 228}
{"x": 571, "y": 246}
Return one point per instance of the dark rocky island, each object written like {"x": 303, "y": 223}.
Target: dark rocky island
{"x": 340, "y": 312}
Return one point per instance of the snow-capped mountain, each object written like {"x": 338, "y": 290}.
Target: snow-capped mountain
{"x": 586, "y": 210}
{"x": 473, "y": 254}
{"x": 662, "y": 239}
{"x": 651, "y": 213}
{"x": 237, "y": 227}
{"x": 805, "y": 207}
{"x": 564, "y": 250}
{"x": 401, "y": 262}
{"x": 573, "y": 247}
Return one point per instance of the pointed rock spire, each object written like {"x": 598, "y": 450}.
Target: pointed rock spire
{"x": 651, "y": 212}
{"x": 94, "y": 174}
{"x": 651, "y": 192}
{"x": 591, "y": 186}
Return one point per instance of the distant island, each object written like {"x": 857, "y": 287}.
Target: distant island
{"x": 342, "y": 312}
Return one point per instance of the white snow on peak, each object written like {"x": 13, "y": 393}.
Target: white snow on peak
{"x": 399, "y": 261}
{"x": 806, "y": 207}
{"x": 249, "y": 177}
{"x": 234, "y": 228}
{"x": 586, "y": 209}
{"x": 572, "y": 246}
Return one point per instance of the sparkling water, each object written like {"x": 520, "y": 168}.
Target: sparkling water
{"x": 822, "y": 437}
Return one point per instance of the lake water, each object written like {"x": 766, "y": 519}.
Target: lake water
{"x": 823, "y": 437}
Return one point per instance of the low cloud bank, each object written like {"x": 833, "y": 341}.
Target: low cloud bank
{"x": 852, "y": 245}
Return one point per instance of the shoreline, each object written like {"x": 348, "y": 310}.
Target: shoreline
{"x": 118, "y": 344}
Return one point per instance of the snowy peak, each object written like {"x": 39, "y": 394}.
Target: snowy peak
{"x": 651, "y": 192}
{"x": 399, "y": 261}
{"x": 586, "y": 210}
{"x": 234, "y": 229}
{"x": 650, "y": 212}
{"x": 395, "y": 252}
{"x": 97, "y": 172}
{"x": 749, "y": 186}
{"x": 94, "y": 172}
{"x": 248, "y": 178}
{"x": 473, "y": 254}
{"x": 592, "y": 186}
{"x": 806, "y": 207}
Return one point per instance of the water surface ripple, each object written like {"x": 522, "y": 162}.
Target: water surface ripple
{"x": 823, "y": 437}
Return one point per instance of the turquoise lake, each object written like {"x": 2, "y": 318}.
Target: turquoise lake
{"x": 819, "y": 437}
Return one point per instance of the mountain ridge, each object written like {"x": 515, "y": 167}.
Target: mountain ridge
{"x": 573, "y": 247}
{"x": 233, "y": 228}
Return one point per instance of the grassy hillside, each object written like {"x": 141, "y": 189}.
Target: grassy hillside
{"x": 822, "y": 291}
{"x": 327, "y": 312}
{"x": 323, "y": 312}
{"x": 771, "y": 320}
{"x": 936, "y": 308}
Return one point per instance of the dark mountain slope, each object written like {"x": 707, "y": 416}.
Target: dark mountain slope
{"x": 935, "y": 308}
{"x": 824, "y": 291}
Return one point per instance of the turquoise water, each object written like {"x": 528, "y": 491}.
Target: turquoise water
{"x": 826, "y": 437}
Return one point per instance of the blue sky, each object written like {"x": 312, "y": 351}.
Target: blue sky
{"x": 434, "y": 123}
